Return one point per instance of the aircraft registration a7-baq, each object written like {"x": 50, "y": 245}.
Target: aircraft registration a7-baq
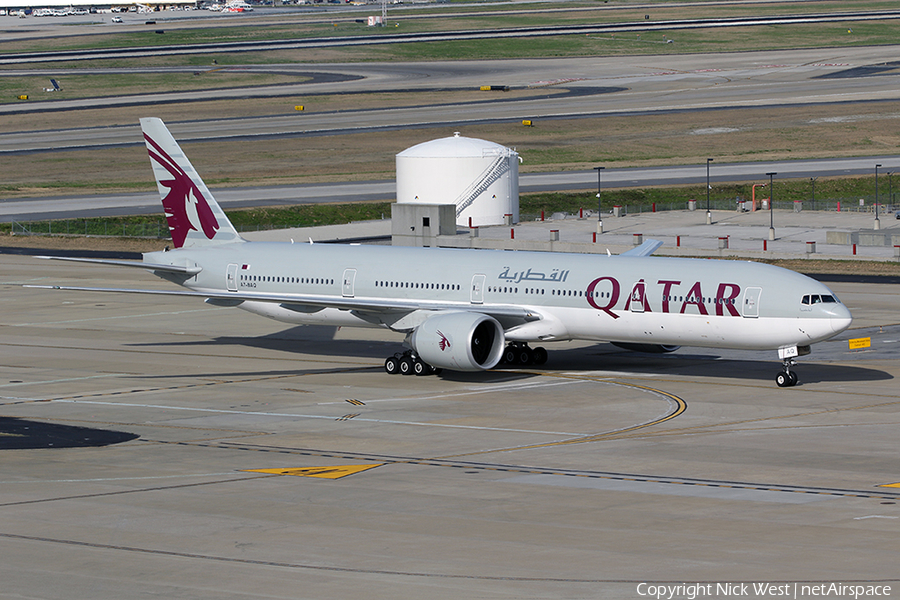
{"x": 468, "y": 310}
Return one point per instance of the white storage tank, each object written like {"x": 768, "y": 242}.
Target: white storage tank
{"x": 481, "y": 178}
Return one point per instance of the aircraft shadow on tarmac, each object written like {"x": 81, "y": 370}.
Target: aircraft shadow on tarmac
{"x": 692, "y": 362}
{"x": 304, "y": 339}
{"x": 23, "y": 434}
{"x": 319, "y": 340}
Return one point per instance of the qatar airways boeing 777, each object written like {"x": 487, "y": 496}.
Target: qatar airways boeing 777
{"x": 467, "y": 310}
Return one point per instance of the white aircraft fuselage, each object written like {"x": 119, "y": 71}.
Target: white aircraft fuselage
{"x": 640, "y": 300}
{"x": 469, "y": 309}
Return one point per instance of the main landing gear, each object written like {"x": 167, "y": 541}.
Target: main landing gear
{"x": 787, "y": 378}
{"x": 518, "y": 353}
{"x": 407, "y": 363}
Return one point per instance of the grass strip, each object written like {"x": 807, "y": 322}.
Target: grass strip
{"x": 845, "y": 190}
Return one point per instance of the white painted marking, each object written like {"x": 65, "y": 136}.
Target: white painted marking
{"x": 467, "y": 392}
{"x": 669, "y": 489}
{"x": 110, "y": 318}
{"x": 300, "y": 416}
{"x": 58, "y": 380}
{"x": 609, "y": 374}
{"x": 121, "y": 478}
{"x": 874, "y": 517}
{"x": 24, "y": 281}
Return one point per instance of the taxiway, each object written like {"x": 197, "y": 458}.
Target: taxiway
{"x": 284, "y": 463}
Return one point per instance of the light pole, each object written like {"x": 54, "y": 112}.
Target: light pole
{"x": 890, "y": 189}
{"x": 708, "y": 214}
{"x": 877, "y": 222}
{"x": 812, "y": 180}
{"x": 599, "y": 205}
{"x": 771, "y": 204}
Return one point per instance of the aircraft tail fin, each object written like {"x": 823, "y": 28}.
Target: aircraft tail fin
{"x": 194, "y": 216}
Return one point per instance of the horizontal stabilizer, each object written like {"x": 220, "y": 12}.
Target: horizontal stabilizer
{"x": 130, "y": 263}
{"x": 645, "y": 249}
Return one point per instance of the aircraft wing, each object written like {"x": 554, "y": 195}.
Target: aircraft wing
{"x": 645, "y": 249}
{"x": 312, "y": 303}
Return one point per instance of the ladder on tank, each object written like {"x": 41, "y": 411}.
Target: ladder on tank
{"x": 495, "y": 171}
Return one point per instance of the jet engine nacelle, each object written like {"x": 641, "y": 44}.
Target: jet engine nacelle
{"x": 459, "y": 341}
{"x": 649, "y": 348}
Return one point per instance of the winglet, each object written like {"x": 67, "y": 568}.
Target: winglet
{"x": 645, "y": 249}
{"x": 193, "y": 215}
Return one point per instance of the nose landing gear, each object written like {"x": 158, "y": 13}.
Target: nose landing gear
{"x": 787, "y": 378}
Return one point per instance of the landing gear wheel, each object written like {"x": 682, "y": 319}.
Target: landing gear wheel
{"x": 518, "y": 353}
{"x": 392, "y": 365}
{"x": 406, "y": 365}
{"x": 420, "y": 368}
{"x": 509, "y": 355}
{"x": 786, "y": 379}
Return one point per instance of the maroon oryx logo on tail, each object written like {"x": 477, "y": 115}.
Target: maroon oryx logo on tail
{"x": 444, "y": 343}
{"x": 185, "y": 207}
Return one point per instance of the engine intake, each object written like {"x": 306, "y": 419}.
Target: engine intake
{"x": 459, "y": 341}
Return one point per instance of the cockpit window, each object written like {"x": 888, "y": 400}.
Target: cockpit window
{"x": 818, "y": 299}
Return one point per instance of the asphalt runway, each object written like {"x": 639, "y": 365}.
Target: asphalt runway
{"x": 283, "y": 462}
{"x": 598, "y": 87}
{"x": 645, "y": 84}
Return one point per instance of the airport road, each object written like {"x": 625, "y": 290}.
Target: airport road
{"x": 27, "y": 209}
{"x": 380, "y": 39}
{"x": 564, "y": 483}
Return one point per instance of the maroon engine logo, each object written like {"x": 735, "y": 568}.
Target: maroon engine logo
{"x": 185, "y": 207}
{"x": 444, "y": 343}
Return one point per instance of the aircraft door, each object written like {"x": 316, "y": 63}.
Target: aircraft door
{"x": 637, "y": 301}
{"x": 348, "y": 283}
{"x": 751, "y": 302}
{"x": 477, "y": 292}
{"x": 231, "y": 278}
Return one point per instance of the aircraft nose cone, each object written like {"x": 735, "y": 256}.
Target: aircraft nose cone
{"x": 840, "y": 318}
